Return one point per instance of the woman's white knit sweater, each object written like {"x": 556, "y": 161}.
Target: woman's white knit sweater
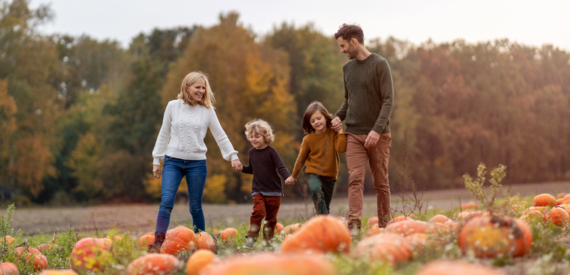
{"x": 183, "y": 130}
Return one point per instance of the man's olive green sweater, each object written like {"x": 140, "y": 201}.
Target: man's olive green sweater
{"x": 369, "y": 95}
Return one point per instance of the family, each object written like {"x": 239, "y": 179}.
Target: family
{"x": 369, "y": 101}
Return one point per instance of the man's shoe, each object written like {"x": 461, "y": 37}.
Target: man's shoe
{"x": 155, "y": 246}
{"x": 249, "y": 242}
{"x": 354, "y": 230}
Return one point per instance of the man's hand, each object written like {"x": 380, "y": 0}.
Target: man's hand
{"x": 290, "y": 180}
{"x": 156, "y": 171}
{"x": 337, "y": 124}
{"x": 236, "y": 165}
{"x": 371, "y": 139}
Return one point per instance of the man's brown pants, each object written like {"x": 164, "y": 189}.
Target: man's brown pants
{"x": 264, "y": 207}
{"x": 356, "y": 157}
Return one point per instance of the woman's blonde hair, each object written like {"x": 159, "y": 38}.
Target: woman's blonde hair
{"x": 193, "y": 77}
{"x": 260, "y": 127}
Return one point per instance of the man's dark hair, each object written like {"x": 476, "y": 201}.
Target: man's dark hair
{"x": 348, "y": 32}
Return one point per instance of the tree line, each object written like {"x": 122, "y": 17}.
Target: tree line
{"x": 79, "y": 116}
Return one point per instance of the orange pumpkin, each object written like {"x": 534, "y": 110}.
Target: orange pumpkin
{"x": 9, "y": 269}
{"x": 372, "y": 221}
{"x": 154, "y": 264}
{"x": 439, "y": 219}
{"x": 488, "y": 237}
{"x": 229, "y": 233}
{"x": 45, "y": 247}
{"x": 400, "y": 218}
{"x": 179, "y": 239}
{"x": 558, "y": 216}
{"x": 469, "y": 205}
{"x": 407, "y": 227}
{"x": 31, "y": 256}
{"x": 540, "y": 209}
{"x": 199, "y": 261}
{"x": 452, "y": 225}
{"x": 417, "y": 241}
{"x": 269, "y": 263}
{"x": 90, "y": 254}
{"x": 560, "y": 195}
{"x": 58, "y": 272}
{"x": 375, "y": 229}
{"x": 469, "y": 213}
{"x": 523, "y": 244}
{"x": 444, "y": 267}
{"x": 533, "y": 215}
{"x": 205, "y": 241}
{"x": 544, "y": 200}
{"x": 278, "y": 228}
{"x": 437, "y": 228}
{"x": 146, "y": 239}
{"x": 292, "y": 228}
{"x": 385, "y": 247}
{"x": 320, "y": 234}
{"x": 9, "y": 239}
{"x": 559, "y": 201}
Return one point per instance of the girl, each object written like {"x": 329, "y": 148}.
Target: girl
{"x": 264, "y": 164}
{"x": 319, "y": 151}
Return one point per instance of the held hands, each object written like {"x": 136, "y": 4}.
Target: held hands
{"x": 236, "y": 165}
{"x": 371, "y": 139}
{"x": 337, "y": 124}
{"x": 290, "y": 180}
{"x": 156, "y": 171}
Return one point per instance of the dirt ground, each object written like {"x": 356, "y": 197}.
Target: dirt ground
{"x": 138, "y": 218}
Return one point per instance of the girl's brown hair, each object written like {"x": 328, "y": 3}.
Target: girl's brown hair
{"x": 311, "y": 110}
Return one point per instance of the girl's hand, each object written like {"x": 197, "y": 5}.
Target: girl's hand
{"x": 337, "y": 124}
{"x": 156, "y": 171}
{"x": 290, "y": 180}
{"x": 236, "y": 165}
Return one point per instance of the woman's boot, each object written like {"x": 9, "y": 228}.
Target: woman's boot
{"x": 155, "y": 246}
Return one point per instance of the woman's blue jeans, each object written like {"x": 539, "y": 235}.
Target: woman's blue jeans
{"x": 172, "y": 172}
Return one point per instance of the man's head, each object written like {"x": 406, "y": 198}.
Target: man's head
{"x": 349, "y": 37}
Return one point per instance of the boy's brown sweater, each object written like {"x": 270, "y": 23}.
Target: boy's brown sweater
{"x": 319, "y": 153}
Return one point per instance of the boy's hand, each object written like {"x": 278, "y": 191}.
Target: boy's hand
{"x": 236, "y": 165}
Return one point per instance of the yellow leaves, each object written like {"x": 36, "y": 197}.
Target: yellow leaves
{"x": 215, "y": 188}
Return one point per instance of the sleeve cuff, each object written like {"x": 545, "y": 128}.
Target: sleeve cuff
{"x": 234, "y": 157}
{"x": 156, "y": 161}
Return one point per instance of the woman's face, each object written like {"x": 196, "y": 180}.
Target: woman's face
{"x": 197, "y": 90}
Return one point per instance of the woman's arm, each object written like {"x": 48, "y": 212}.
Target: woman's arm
{"x": 228, "y": 151}
{"x": 163, "y": 137}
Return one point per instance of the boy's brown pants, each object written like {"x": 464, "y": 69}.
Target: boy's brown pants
{"x": 356, "y": 157}
{"x": 264, "y": 207}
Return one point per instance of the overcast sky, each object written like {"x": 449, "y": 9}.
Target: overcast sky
{"x": 528, "y": 22}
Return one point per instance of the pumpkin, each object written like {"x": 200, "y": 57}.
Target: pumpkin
{"x": 199, "y": 261}
{"x": 407, "y": 227}
{"x": 488, "y": 237}
{"x": 154, "y": 264}
{"x": 386, "y": 247}
{"x": 544, "y": 200}
{"x": 31, "y": 256}
{"x": 8, "y": 269}
{"x": 278, "y": 228}
{"x": 523, "y": 244}
{"x": 292, "y": 228}
{"x": 90, "y": 254}
{"x": 229, "y": 233}
{"x": 438, "y": 228}
{"x": 417, "y": 241}
{"x": 400, "y": 218}
{"x": 320, "y": 234}
{"x": 205, "y": 241}
{"x": 146, "y": 239}
{"x": 558, "y": 216}
{"x": 375, "y": 229}
{"x": 179, "y": 239}
{"x": 268, "y": 263}
{"x": 469, "y": 205}
{"x": 560, "y": 195}
{"x": 58, "y": 272}
{"x": 466, "y": 214}
{"x": 444, "y": 267}
{"x": 45, "y": 247}
{"x": 531, "y": 216}
{"x": 372, "y": 221}
{"x": 9, "y": 239}
{"x": 559, "y": 201}
{"x": 439, "y": 219}
{"x": 452, "y": 225}
{"x": 540, "y": 209}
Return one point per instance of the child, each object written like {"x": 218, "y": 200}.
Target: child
{"x": 264, "y": 162}
{"x": 319, "y": 152}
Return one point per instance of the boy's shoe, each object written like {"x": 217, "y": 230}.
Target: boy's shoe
{"x": 249, "y": 242}
{"x": 155, "y": 246}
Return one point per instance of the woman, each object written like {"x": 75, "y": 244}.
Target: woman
{"x": 180, "y": 144}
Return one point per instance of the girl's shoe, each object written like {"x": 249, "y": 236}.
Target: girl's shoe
{"x": 250, "y": 242}
{"x": 155, "y": 246}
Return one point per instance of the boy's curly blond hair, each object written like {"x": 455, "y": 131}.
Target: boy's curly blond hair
{"x": 260, "y": 127}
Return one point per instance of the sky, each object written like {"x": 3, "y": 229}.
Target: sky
{"x": 528, "y": 22}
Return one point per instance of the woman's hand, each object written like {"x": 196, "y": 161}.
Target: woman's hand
{"x": 156, "y": 171}
{"x": 236, "y": 165}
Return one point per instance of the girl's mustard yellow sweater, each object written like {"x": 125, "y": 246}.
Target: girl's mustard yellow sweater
{"x": 320, "y": 154}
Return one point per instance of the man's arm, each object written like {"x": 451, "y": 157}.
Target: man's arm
{"x": 387, "y": 95}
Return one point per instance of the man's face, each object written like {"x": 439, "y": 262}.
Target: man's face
{"x": 348, "y": 47}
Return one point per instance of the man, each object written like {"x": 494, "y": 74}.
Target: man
{"x": 369, "y": 100}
